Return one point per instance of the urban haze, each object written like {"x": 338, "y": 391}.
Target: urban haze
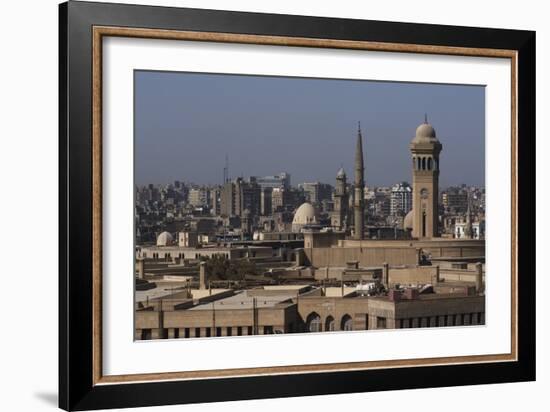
{"x": 302, "y": 126}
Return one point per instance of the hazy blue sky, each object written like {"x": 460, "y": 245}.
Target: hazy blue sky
{"x": 186, "y": 123}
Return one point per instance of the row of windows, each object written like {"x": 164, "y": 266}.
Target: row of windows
{"x": 447, "y": 320}
{"x": 314, "y": 323}
{"x": 168, "y": 255}
{"x": 425, "y": 163}
{"x": 146, "y": 334}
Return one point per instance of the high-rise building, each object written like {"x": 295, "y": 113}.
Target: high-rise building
{"x": 266, "y": 201}
{"x": 215, "y": 200}
{"x": 199, "y": 196}
{"x": 316, "y": 192}
{"x": 425, "y": 149}
{"x": 400, "y": 199}
{"x": 282, "y": 180}
{"x": 286, "y": 199}
{"x": 238, "y": 196}
{"x": 455, "y": 200}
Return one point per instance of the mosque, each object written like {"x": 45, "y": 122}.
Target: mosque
{"x": 348, "y": 241}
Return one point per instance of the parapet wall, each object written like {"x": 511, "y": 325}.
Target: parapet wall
{"x": 366, "y": 256}
{"x": 413, "y": 275}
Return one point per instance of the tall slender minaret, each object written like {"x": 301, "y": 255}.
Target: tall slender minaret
{"x": 359, "y": 201}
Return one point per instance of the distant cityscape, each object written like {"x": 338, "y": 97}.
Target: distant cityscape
{"x": 262, "y": 255}
{"x": 245, "y": 207}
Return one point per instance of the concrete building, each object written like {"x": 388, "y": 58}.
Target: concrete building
{"x": 238, "y": 196}
{"x": 199, "y": 196}
{"x": 317, "y": 192}
{"x": 455, "y": 200}
{"x": 400, "y": 199}
{"x": 284, "y": 200}
{"x": 281, "y": 181}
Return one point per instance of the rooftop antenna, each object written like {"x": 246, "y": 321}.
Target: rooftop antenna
{"x": 226, "y": 170}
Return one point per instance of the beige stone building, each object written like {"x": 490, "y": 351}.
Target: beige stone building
{"x": 306, "y": 309}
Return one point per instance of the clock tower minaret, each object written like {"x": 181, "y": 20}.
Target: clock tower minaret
{"x": 425, "y": 149}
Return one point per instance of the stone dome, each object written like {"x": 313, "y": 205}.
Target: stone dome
{"x": 165, "y": 239}
{"x": 408, "y": 221}
{"x": 425, "y": 133}
{"x": 305, "y": 215}
{"x": 341, "y": 173}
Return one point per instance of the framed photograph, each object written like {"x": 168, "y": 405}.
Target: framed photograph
{"x": 256, "y": 205}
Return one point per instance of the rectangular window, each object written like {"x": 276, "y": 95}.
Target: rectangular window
{"x": 186, "y": 331}
{"x": 208, "y": 332}
{"x": 218, "y": 331}
{"x": 250, "y": 330}
{"x": 229, "y": 331}
{"x": 380, "y": 322}
{"x": 268, "y": 330}
{"x": 197, "y": 332}
{"x": 239, "y": 330}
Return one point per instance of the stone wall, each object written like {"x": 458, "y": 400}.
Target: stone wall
{"x": 366, "y": 256}
{"x": 413, "y": 275}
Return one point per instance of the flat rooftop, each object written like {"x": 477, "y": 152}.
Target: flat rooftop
{"x": 286, "y": 287}
{"x": 241, "y": 300}
{"x": 173, "y": 291}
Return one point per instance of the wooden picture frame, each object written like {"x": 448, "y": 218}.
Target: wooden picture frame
{"x": 82, "y": 385}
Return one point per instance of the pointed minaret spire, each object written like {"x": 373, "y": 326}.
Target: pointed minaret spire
{"x": 359, "y": 204}
{"x": 426, "y": 118}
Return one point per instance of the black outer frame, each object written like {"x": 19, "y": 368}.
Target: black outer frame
{"x": 76, "y": 389}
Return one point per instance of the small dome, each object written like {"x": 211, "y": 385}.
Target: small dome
{"x": 305, "y": 215}
{"x": 425, "y": 130}
{"x": 408, "y": 221}
{"x": 341, "y": 173}
{"x": 165, "y": 239}
{"x": 425, "y": 133}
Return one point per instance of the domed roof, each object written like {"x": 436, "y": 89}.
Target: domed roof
{"x": 425, "y": 133}
{"x": 165, "y": 239}
{"x": 408, "y": 221}
{"x": 305, "y": 215}
{"x": 341, "y": 173}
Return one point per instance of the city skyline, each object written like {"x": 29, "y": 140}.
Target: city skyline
{"x": 164, "y": 110}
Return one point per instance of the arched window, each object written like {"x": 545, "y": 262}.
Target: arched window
{"x": 429, "y": 163}
{"x": 313, "y": 323}
{"x": 414, "y": 162}
{"x": 436, "y": 161}
{"x": 418, "y": 164}
{"x": 423, "y": 163}
{"x": 346, "y": 323}
{"x": 329, "y": 324}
